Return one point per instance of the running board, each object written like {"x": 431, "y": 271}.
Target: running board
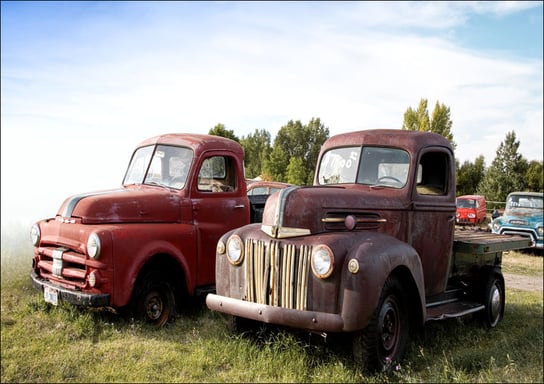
{"x": 451, "y": 310}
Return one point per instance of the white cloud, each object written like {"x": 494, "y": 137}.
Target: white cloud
{"x": 74, "y": 107}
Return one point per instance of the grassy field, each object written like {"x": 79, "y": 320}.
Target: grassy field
{"x": 41, "y": 343}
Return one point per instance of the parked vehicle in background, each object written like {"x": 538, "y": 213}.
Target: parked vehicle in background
{"x": 148, "y": 244}
{"x": 471, "y": 210}
{"x": 261, "y": 187}
{"x": 370, "y": 249}
{"x": 523, "y": 215}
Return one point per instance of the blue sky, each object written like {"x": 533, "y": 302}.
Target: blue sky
{"x": 83, "y": 82}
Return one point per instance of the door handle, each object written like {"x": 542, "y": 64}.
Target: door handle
{"x": 239, "y": 206}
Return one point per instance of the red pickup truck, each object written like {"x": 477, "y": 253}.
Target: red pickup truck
{"x": 146, "y": 245}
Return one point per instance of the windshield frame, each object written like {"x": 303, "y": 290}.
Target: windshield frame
{"x": 362, "y": 165}
{"x": 161, "y": 165}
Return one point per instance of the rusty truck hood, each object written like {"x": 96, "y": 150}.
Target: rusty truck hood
{"x": 122, "y": 205}
{"x": 302, "y": 211}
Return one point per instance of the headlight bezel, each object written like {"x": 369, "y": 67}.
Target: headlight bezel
{"x": 94, "y": 246}
{"x": 235, "y": 250}
{"x": 323, "y": 255}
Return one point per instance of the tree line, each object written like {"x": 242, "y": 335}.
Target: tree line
{"x": 292, "y": 156}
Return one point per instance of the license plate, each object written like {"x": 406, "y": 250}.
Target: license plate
{"x": 51, "y": 295}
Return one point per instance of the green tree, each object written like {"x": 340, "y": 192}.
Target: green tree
{"x": 506, "y": 173}
{"x": 220, "y": 130}
{"x": 535, "y": 176}
{"x": 296, "y": 173}
{"x": 469, "y": 176}
{"x": 419, "y": 120}
{"x": 256, "y": 149}
{"x": 295, "y": 140}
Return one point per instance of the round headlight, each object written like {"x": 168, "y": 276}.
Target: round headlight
{"x": 35, "y": 235}
{"x": 322, "y": 261}
{"x": 93, "y": 246}
{"x": 496, "y": 226}
{"x": 540, "y": 231}
{"x": 235, "y": 250}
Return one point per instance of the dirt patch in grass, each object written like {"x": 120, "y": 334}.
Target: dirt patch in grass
{"x": 524, "y": 282}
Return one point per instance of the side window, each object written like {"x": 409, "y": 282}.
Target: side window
{"x": 432, "y": 174}
{"x": 217, "y": 174}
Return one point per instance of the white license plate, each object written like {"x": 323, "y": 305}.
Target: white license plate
{"x": 51, "y": 295}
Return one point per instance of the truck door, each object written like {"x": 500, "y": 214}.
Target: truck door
{"x": 433, "y": 219}
{"x": 219, "y": 205}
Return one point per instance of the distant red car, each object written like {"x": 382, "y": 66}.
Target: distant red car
{"x": 265, "y": 187}
{"x": 471, "y": 210}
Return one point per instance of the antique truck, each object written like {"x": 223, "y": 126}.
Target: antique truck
{"x": 145, "y": 246}
{"x": 370, "y": 249}
{"x": 524, "y": 216}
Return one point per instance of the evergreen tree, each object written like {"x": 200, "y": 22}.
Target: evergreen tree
{"x": 535, "y": 176}
{"x": 506, "y": 173}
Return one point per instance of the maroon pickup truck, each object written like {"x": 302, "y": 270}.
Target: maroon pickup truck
{"x": 370, "y": 249}
{"x": 151, "y": 242}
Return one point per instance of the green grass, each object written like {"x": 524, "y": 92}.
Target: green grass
{"x": 42, "y": 343}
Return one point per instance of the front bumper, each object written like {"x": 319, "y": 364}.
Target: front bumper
{"x": 308, "y": 320}
{"x": 71, "y": 296}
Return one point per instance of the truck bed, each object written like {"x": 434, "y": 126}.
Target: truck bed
{"x": 481, "y": 242}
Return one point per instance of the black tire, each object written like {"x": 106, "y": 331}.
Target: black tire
{"x": 493, "y": 297}
{"x": 381, "y": 345}
{"x": 154, "y": 301}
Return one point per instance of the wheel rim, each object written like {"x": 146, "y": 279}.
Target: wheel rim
{"x": 389, "y": 327}
{"x": 495, "y": 304}
{"x": 154, "y": 306}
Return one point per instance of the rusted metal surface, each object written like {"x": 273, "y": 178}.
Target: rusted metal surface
{"x": 404, "y": 229}
{"x": 480, "y": 242}
{"x": 175, "y": 228}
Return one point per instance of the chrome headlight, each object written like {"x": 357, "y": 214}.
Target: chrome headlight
{"x": 235, "y": 249}
{"x": 322, "y": 261}
{"x": 93, "y": 246}
{"x": 35, "y": 235}
{"x": 540, "y": 231}
{"x": 496, "y": 226}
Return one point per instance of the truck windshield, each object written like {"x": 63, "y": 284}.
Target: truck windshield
{"x": 162, "y": 165}
{"x": 377, "y": 166}
{"x": 524, "y": 202}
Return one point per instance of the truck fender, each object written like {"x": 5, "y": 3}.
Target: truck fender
{"x": 146, "y": 255}
{"x": 378, "y": 257}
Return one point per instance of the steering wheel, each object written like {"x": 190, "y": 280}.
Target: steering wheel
{"x": 389, "y": 178}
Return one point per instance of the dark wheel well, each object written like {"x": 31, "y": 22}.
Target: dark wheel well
{"x": 159, "y": 291}
{"x": 169, "y": 268}
{"x": 404, "y": 276}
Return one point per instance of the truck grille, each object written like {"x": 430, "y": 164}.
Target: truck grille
{"x": 62, "y": 265}
{"x": 277, "y": 274}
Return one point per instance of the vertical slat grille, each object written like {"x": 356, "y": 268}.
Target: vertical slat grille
{"x": 277, "y": 274}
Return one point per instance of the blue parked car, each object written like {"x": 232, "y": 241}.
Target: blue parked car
{"x": 523, "y": 215}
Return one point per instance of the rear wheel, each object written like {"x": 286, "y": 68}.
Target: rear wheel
{"x": 381, "y": 345}
{"x": 154, "y": 300}
{"x": 493, "y": 297}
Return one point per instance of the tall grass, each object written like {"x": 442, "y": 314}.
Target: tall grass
{"x": 43, "y": 343}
